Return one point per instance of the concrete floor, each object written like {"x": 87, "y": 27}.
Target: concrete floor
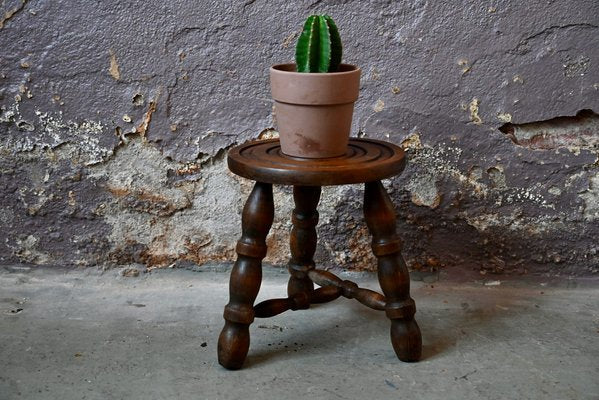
{"x": 89, "y": 334}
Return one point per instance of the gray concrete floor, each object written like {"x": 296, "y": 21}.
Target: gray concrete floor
{"x": 89, "y": 334}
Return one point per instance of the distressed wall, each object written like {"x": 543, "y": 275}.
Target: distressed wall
{"x": 116, "y": 117}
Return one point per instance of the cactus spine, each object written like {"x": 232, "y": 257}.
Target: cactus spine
{"x": 319, "y": 46}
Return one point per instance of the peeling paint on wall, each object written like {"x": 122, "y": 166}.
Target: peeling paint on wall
{"x": 574, "y": 133}
{"x": 113, "y": 140}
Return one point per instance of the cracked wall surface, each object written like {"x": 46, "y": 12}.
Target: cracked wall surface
{"x": 115, "y": 120}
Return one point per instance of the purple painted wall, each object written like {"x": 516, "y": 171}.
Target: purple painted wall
{"x": 116, "y": 117}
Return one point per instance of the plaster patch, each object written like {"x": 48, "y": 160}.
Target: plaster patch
{"x": 152, "y": 222}
{"x": 412, "y": 142}
{"x": 554, "y": 190}
{"x": 463, "y": 63}
{"x": 441, "y": 161}
{"x": 576, "y": 67}
{"x": 55, "y": 131}
{"x": 591, "y": 199}
{"x": 6, "y": 216}
{"x": 475, "y": 173}
{"x": 504, "y": 117}
{"x": 26, "y": 250}
{"x": 473, "y": 108}
{"x": 379, "y": 106}
{"x": 424, "y": 191}
{"x": 84, "y": 133}
{"x": 534, "y": 225}
{"x": 497, "y": 177}
{"x": 138, "y": 100}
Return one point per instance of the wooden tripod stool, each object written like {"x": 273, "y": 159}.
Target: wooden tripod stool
{"x": 366, "y": 161}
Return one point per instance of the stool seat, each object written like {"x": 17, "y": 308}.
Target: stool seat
{"x": 366, "y": 160}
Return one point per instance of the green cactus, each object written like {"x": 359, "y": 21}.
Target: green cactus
{"x": 319, "y": 46}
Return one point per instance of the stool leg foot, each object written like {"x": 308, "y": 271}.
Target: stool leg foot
{"x": 393, "y": 274}
{"x": 406, "y": 339}
{"x": 303, "y": 240}
{"x": 246, "y": 277}
{"x": 233, "y": 345}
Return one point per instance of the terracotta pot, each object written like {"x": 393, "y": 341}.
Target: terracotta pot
{"x": 314, "y": 110}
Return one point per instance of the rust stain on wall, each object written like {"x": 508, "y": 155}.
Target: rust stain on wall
{"x": 144, "y": 201}
{"x": 114, "y": 66}
{"x": 145, "y": 124}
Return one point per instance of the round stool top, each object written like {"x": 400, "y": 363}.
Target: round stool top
{"x": 366, "y": 160}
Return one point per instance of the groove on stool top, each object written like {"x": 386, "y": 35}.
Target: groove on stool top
{"x": 366, "y": 160}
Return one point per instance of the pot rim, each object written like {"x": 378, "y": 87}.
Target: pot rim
{"x": 290, "y": 69}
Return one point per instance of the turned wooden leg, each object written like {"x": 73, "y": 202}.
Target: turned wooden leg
{"x": 392, "y": 272}
{"x": 303, "y": 243}
{"x": 246, "y": 276}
